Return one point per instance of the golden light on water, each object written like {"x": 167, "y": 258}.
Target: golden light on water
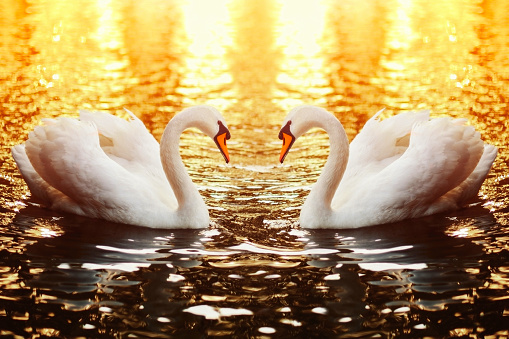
{"x": 300, "y": 27}
{"x": 254, "y": 60}
{"x": 207, "y": 26}
{"x": 207, "y": 35}
{"x": 400, "y": 31}
{"x": 108, "y": 31}
{"x": 301, "y": 36}
{"x": 286, "y": 33}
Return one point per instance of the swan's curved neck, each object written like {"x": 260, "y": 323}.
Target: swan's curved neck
{"x": 185, "y": 191}
{"x": 324, "y": 189}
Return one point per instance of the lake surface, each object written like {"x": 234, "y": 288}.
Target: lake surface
{"x": 254, "y": 272}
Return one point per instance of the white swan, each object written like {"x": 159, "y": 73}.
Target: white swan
{"x": 105, "y": 167}
{"x": 403, "y": 167}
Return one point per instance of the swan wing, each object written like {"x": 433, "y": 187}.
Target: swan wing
{"x": 382, "y": 141}
{"x": 469, "y": 188}
{"x": 67, "y": 155}
{"x": 130, "y": 144}
{"x": 442, "y": 154}
{"x": 40, "y": 189}
{"x": 378, "y": 144}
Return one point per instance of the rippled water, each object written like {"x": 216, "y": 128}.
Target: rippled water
{"x": 254, "y": 272}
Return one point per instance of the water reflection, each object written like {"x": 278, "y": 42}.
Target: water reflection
{"x": 146, "y": 281}
{"x": 153, "y": 60}
{"x": 254, "y": 61}
{"x": 254, "y": 272}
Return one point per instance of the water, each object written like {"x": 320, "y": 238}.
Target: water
{"x": 254, "y": 272}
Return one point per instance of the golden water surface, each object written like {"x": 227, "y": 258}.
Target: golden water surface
{"x": 253, "y": 60}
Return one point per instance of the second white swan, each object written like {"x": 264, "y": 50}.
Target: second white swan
{"x": 102, "y": 166}
{"x": 406, "y": 166}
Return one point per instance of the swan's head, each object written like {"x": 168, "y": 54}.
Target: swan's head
{"x": 297, "y": 122}
{"x": 211, "y": 122}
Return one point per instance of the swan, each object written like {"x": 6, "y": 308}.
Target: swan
{"x": 105, "y": 167}
{"x": 402, "y": 167}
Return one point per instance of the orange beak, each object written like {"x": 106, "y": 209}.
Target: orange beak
{"x": 220, "y": 140}
{"x": 288, "y": 139}
{"x": 221, "y": 144}
{"x": 287, "y": 143}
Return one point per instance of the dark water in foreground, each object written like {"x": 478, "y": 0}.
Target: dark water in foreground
{"x": 437, "y": 277}
{"x": 254, "y": 272}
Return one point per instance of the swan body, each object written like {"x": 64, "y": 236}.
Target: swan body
{"x": 402, "y": 167}
{"x": 105, "y": 167}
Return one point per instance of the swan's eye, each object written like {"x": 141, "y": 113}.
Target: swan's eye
{"x": 223, "y": 130}
{"x": 285, "y": 130}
